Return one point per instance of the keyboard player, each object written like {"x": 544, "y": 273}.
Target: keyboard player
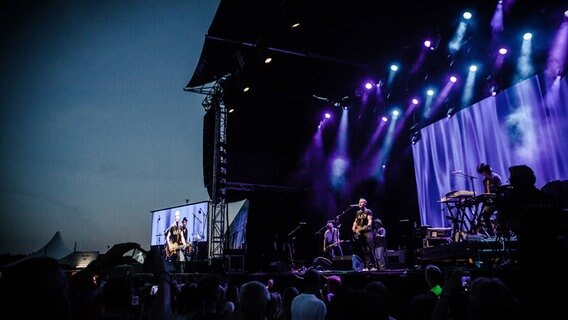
{"x": 491, "y": 182}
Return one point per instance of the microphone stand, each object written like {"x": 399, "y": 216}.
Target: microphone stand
{"x": 470, "y": 177}
{"x": 291, "y": 247}
{"x": 337, "y": 225}
{"x": 345, "y": 211}
{"x": 321, "y": 229}
{"x": 462, "y": 209}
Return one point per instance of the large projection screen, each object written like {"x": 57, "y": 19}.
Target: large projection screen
{"x": 196, "y": 214}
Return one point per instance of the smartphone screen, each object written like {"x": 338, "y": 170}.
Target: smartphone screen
{"x": 139, "y": 255}
{"x": 153, "y": 290}
{"x": 465, "y": 282}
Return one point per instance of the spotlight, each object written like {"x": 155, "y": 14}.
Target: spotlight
{"x": 394, "y": 67}
{"x": 451, "y": 112}
{"x": 415, "y": 101}
{"x": 430, "y": 92}
{"x": 453, "y": 79}
{"x": 416, "y": 137}
{"x": 268, "y": 60}
{"x": 368, "y": 85}
{"x": 527, "y": 36}
{"x": 427, "y": 43}
{"x": 384, "y": 119}
{"x": 467, "y": 15}
{"x": 473, "y": 68}
{"x": 503, "y": 51}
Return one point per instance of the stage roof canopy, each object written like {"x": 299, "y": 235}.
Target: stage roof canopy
{"x": 323, "y": 63}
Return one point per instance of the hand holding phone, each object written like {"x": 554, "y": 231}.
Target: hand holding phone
{"x": 465, "y": 283}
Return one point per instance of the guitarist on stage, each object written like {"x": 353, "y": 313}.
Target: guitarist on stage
{"x": 176, "y": 244}
{"x": 331, "y": 241}
{"x": 362, "y": 234}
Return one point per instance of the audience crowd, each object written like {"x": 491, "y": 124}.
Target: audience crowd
{"x": 107, "y": 289}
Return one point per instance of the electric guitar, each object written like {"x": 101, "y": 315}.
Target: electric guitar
{"x": 360, "y": 230}
{"x": 172, "y": 248}
{"x": 329, "y": 246}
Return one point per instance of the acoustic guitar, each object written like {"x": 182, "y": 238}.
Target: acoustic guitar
{"x": 171, "y": 249}
{"x": 360, "y": 230}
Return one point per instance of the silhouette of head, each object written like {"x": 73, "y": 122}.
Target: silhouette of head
{"x": 521, "y": 176}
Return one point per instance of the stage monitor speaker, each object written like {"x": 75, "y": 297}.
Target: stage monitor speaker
{"x": 235, "y": 263}
{"x": 351, "y": 263}
{"x": 279, "y": 267}
{"x": 322, "y": 263}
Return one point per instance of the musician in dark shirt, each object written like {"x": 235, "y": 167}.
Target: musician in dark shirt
{"x": 362, "y": 233}
{"x": 380, "y": 242}
{"x": 491, "y": 182}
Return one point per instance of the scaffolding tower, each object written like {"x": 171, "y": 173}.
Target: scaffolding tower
{"x": 218, "y": 208}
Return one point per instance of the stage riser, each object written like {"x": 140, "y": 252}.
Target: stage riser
{"x": 468, "y": 251}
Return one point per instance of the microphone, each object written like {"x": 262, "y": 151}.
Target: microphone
{"x": 302, "y": 222}
{"x": 354, "y": 205}
{"x": 457, "y": 172}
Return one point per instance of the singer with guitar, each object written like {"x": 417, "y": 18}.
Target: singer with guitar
{"x": 331, "y": 241}
{"x": 176, "y": 244}
{"x": 362, "y": 234}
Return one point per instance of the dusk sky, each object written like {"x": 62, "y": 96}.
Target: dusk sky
{"x": 95, "y": 128}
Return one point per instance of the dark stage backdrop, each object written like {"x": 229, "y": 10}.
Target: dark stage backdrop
{"x": 526, "y": 124}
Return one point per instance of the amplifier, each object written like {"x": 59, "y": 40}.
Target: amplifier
{"x": 436, "y": 233}
{"x": 395, "y": 257}
{"x": 432, "y": 242}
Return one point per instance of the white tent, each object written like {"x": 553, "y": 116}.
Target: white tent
{"x": 55, "y": 248}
